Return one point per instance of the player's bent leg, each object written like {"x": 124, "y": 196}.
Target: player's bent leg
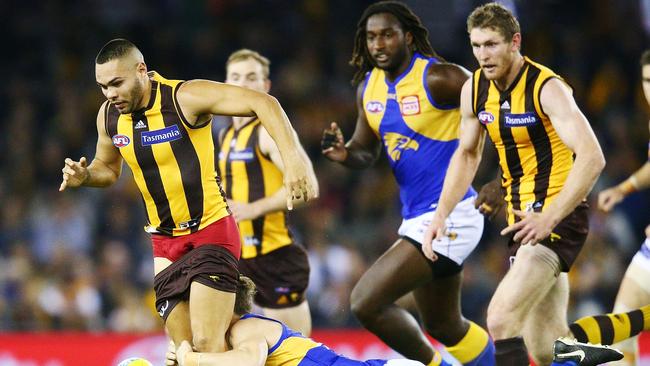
{"x": 438, "y": 304}
{"x": 519, "y": 291}
{"x": 297, "y": 317}
{"x": 547, "y": 321}
{"x": 211, "y": 312}
{"x": 178, "y": 323}
{"x": 398, "y": 271}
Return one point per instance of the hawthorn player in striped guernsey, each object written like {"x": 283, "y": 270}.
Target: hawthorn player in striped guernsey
{"x": 162, "y": 129}
{"x": 550, "y": 159}
{"x": 251, "y": 171}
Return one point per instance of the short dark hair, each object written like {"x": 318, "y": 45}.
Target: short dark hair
{"x": 115, "y": 48}
{"x": 409, "y": 22}
{"x": 645, "y": 58}
{"x": 496, "y": 17}
{"x": 244, "y": 297}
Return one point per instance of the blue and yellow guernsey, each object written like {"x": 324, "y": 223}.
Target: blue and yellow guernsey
{"x": 294, "y": 349}
{"x": 419, "y": 135}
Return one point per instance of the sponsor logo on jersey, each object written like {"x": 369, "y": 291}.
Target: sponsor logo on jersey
{"x": 396, "y": 144}
{"x": 374, "y": 106}
{"x": 121, "y": 140}
{"x": 410, "y": 105}
{"x": 519, "y": 120}
{"x": 166, "y": 134}
{"x": 485, "y": 117}
{"x": 242, "y": 155}
{"x": 251, "y": 240}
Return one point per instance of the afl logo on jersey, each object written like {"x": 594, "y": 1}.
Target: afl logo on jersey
{"x": 485, "y": 117}
{"x": 374, "y": 106}
{"x": 121, "y": 140}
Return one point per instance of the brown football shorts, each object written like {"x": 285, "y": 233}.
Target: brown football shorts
{"x": 281, "y": 276}
{"x": 567, "y": 238}
{"x": 211, "y": 265}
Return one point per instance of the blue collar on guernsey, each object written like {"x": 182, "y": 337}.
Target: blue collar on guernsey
{"x": 286, "y": 332}
{"x": 416, "y": 55}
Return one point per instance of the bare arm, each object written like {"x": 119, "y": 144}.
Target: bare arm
{"x": 466, "y": 158}
{"x": 461, "y": 171}
{"x": 362, "y": 150}
{"x": 105, "y": 168}
{"x": 202, "y": 97}
{"x": 574, "y": 130}
{"x": 249, "y": 347}
{"x": 640, "y": 179}
{"x": 276, "y": 201}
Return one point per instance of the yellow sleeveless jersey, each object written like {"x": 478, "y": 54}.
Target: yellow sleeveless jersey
{"x": 419, "y": 135}
{"x": 172, "y": 162}
{"x": 248, "y": 175}
{"x": 534, "y": 161}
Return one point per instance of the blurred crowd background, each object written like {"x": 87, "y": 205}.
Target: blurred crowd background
{"x": 80, "y": 259}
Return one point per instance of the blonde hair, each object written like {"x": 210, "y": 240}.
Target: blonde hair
{"x": 245, "y": 54}
{"x": 496, "y": 17}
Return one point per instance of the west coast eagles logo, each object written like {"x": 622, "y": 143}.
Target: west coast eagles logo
{"x": 396, "y": 143}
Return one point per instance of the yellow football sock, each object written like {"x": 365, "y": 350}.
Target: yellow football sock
{"x": 436, "y": 360}
{"x": 611, "y": 328}
{"x": 472, "y": 344}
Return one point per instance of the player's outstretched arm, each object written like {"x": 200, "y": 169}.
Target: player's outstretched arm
{"x": 461, "y": 171}
{"x": 199, "y": 98}
{"x": 362, "y": 150}
{"x": 105, "y": 168}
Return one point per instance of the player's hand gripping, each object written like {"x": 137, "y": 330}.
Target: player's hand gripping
{"x": 435, "y": 231}
{"x": 332, "y": 145}
{"x": 608, "y": 198}
{"x": 75, "y": 173}
{"x": 490, "y": 199}
{"x": 533, "y": 227}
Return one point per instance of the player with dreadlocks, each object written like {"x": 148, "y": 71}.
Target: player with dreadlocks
{"x": 407, "y": 101}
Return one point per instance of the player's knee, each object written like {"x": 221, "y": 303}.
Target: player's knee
{"x": 359, "y": 304}
{"x": 498, "y": 323}
{"x": 361, "y": 312}
{"x": 203, "y": 343}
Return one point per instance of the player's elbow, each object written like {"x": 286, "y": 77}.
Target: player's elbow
{"x": 597, "y": 161}
{"x": 600, "y": 161}
{"x": 269, "y": 102}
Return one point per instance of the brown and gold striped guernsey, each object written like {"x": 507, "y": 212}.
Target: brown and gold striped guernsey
{"x": 172, "y": 162}
{"x": 534, "y": 161}
{"x": 249, "y": 175}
